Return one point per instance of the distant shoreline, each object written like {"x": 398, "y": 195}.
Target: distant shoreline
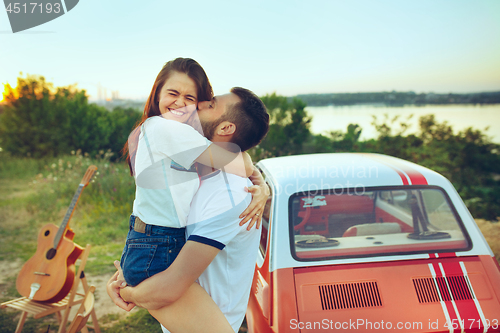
{"x": 460, "y": 116}
{"x": 384, "y": 99}
{"x": 395, "y": 98}
{"x": 382, "y": 105}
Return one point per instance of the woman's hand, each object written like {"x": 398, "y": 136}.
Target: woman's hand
{"x": 260, "y": 193}
{"x": 114, "y": 286}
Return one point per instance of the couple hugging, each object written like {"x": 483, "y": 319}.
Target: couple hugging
{"x": 189, "y": 256}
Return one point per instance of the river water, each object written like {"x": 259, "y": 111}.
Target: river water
{"x": 330, "y": 118}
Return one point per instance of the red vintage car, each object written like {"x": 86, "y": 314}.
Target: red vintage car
{"x": 366, "y": 243}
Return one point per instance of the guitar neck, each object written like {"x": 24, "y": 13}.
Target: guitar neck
{"x": 68, "y": 215}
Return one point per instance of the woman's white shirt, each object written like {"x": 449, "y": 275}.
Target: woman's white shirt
{"x": 166, "y": 180}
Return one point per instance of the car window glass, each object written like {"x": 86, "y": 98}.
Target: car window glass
{"x": 377, "y": 221}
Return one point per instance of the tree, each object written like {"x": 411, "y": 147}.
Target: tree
{"x": 123, "y": 122}
{"x": 289, "y": 126}
{"x": 30, "y": 121}
{"x": 40, "y": 120}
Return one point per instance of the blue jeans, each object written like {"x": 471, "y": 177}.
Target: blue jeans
{"x": 146, "y": 254}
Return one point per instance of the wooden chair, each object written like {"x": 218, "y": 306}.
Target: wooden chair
{"x": 83, "y": 314}
{"x": 61, "y": 308}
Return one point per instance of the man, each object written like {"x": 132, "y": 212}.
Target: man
{"x": 219, "y": 253}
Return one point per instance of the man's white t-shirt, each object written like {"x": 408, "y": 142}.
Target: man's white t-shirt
{"x": 166, "y": 180}
{"x": 214, "y": 220}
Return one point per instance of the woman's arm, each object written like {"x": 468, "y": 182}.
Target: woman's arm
{"x": 260, "y": 193}
{"x": 184, "y": 144}
{"x": 217, "y": 157}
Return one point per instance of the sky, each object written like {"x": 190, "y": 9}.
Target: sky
{"x": 288, "y": 47}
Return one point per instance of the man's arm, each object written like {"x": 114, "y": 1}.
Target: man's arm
{"x": 168, "y": 286}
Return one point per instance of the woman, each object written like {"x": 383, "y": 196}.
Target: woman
{"x": 162, "y": 152}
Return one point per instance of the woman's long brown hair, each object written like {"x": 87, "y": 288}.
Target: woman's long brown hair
{"x": 182, "y": 65}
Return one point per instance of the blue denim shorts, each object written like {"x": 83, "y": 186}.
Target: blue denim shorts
{"x": 146, "y": 254}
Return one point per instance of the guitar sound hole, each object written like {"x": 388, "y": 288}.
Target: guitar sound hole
{"x": 47, "y": 233}
{"x": 51, "y": 253}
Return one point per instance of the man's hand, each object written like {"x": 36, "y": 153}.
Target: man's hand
{"x": 123, "y": 295}
{"x": 114, "y": 286}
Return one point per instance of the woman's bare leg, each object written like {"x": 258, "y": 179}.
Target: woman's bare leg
{"x": 194, "y": 312}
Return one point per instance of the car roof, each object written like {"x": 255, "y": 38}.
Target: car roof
{"x": 317, "y": 171}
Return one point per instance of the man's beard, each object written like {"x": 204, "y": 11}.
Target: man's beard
{"x": 209, "y": 127}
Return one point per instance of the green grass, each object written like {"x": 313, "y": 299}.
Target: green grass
{"x": 8, "y": 323}
{"x": 36, "y": 192}
{"x": 140, "y": 321}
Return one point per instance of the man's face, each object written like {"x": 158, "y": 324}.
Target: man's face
{"x": 210, "y": 112}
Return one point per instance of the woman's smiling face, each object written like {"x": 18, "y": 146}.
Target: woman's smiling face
{"x": 178, "y": 97}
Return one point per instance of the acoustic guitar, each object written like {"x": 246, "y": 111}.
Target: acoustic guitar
{"x": 48, "y": 276}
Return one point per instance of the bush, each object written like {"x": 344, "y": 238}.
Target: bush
{"x": 39, "y": 120}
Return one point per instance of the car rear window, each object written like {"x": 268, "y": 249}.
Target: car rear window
{"x": 374, "y": 222}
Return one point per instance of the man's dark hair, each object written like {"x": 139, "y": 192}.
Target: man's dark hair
{"x": 250, "y": 117}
